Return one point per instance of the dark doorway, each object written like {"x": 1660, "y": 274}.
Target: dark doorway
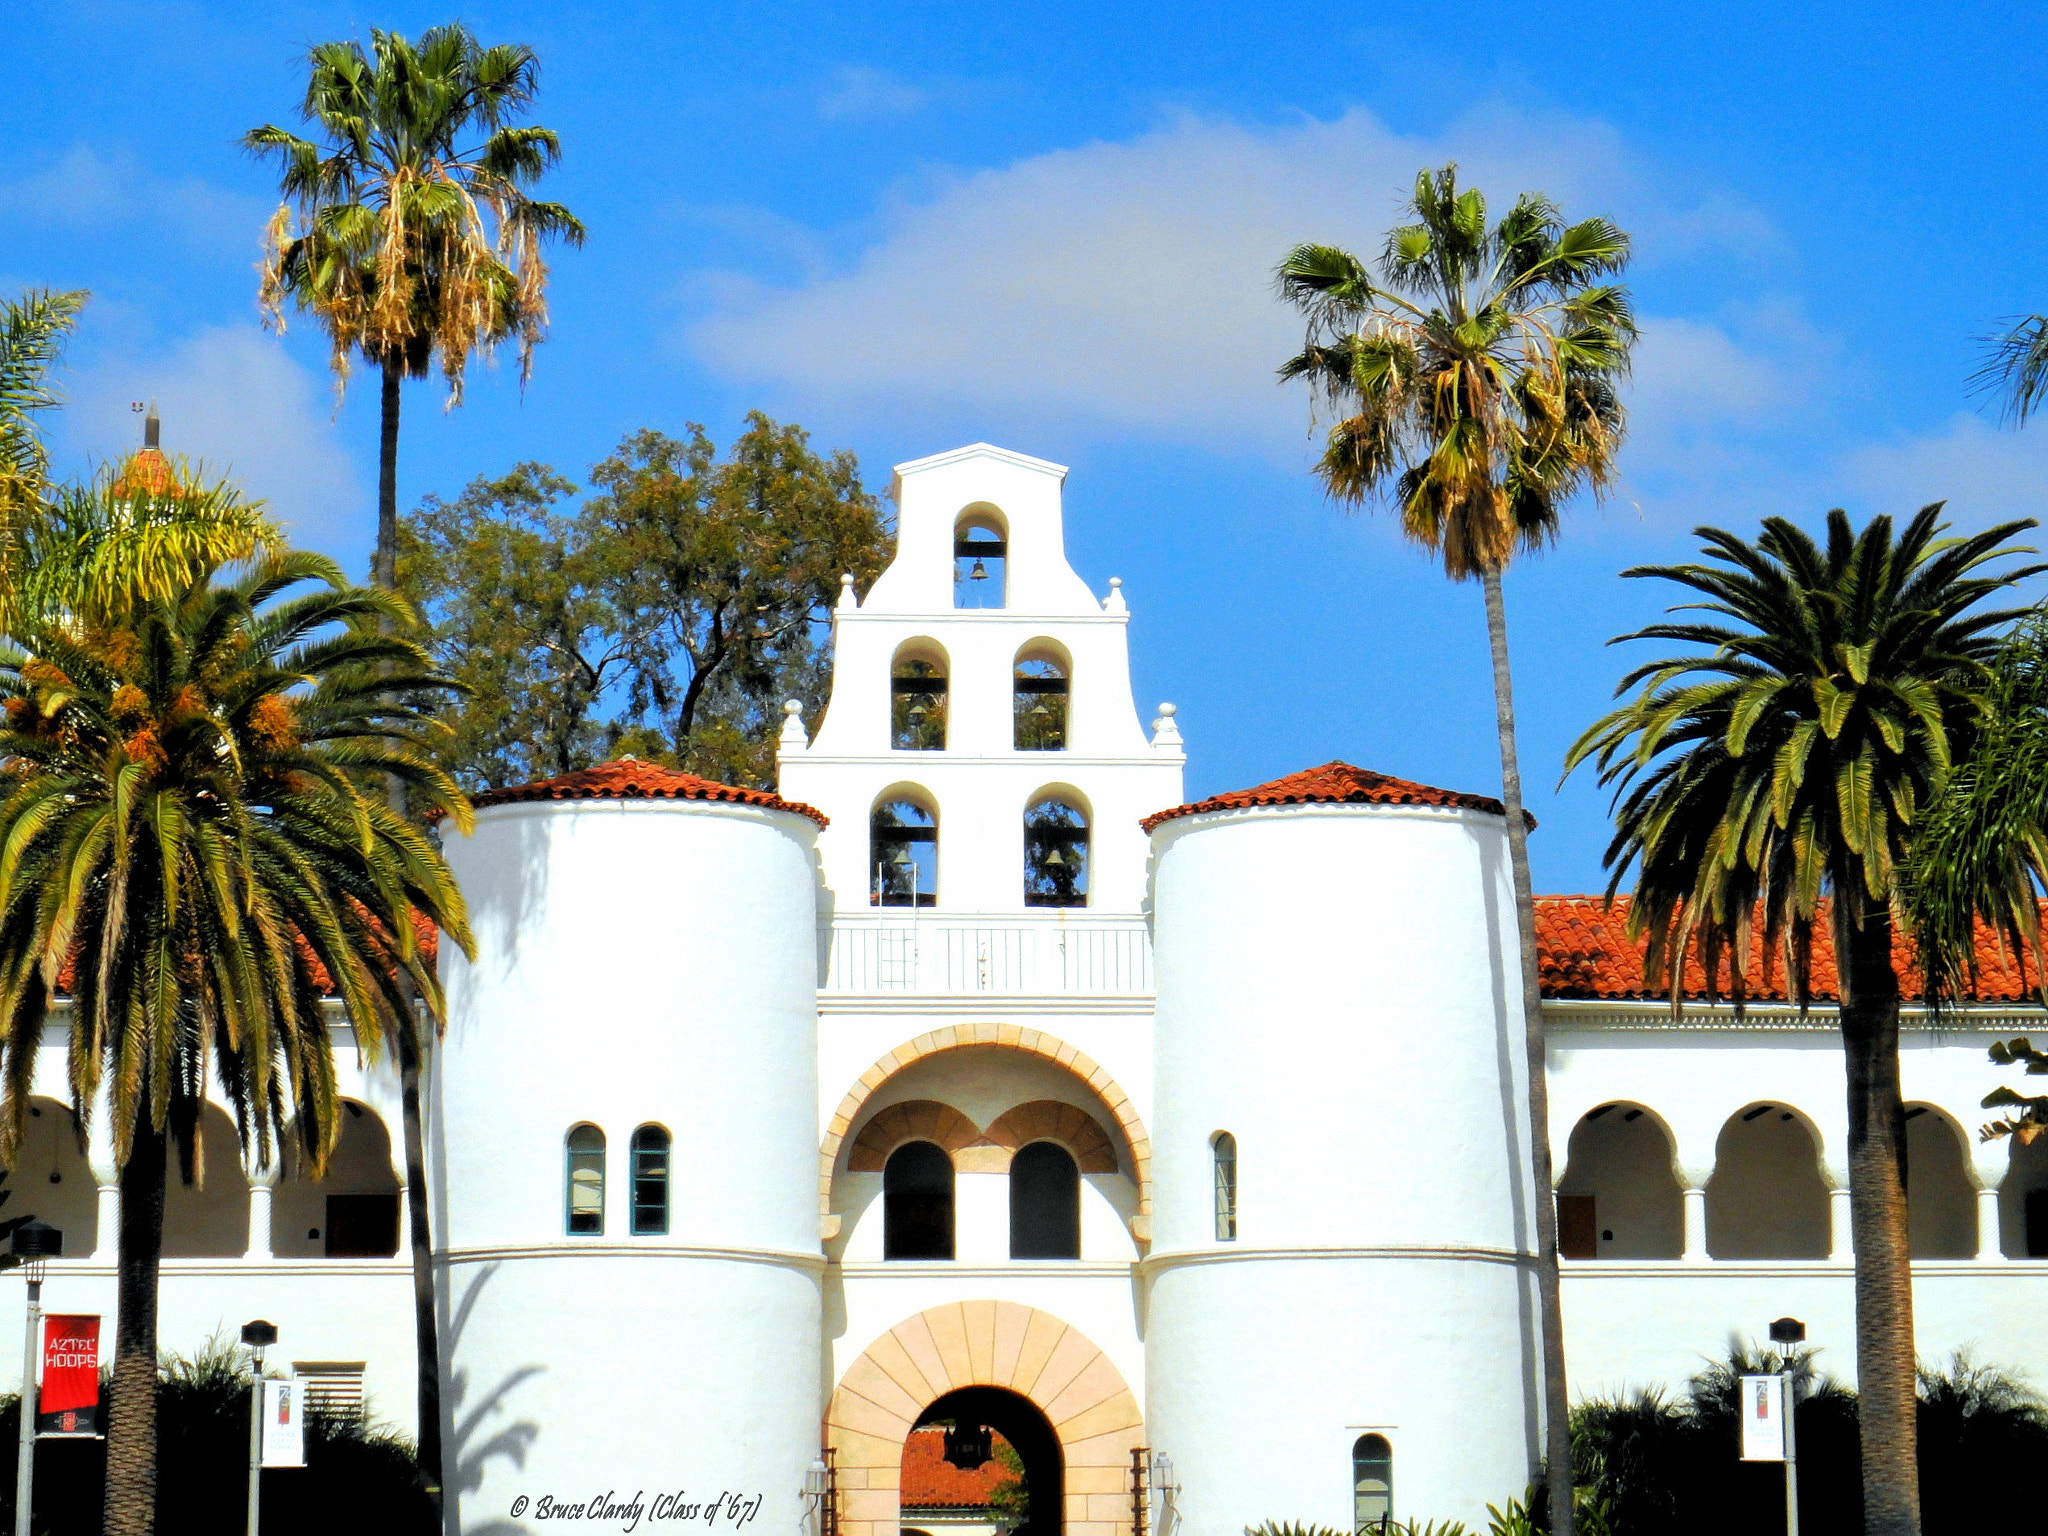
{"x": 917, "y": 1203}
{"x": 1045, "y": 1203}
{"x": 1017, "y": 1420}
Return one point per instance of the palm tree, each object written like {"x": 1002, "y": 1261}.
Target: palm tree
{"x": 1474, "y": 385}
{"x": 1777, "y": 774}
{"x": 415, "y": 236}
{"x": 2015, "y": 367}
{"x": 32, "y": 332}
{"x": 193, "y": 843}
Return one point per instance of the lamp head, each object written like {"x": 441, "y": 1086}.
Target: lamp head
{"x": 259, "y": 1334}
{"x": 1788, "y": 1330}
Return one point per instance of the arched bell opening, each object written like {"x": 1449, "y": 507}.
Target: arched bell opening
{"x": 917, "y": 697}
{"x": 903, "y": 850}
{"x": 981, "y": 557}
{"x": 1030, "y": 1489}
{"x": 1039, "y": 688}
{"x": 1056, "y": 846}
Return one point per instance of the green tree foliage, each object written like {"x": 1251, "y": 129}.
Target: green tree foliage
{"x": 1009, "y": 1502}
{"x": 358, "y": 1476}
{"x": 1672, "y": 1467}
{"x": 32, "y": 332}
{"x": 1473, "y": 381}
{"x": 669, "y": 615}
{"x": 193, "y": 836}
{"x": 1788, "y": 755}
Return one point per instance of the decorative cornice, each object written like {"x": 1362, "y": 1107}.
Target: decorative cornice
{"x": 571, "y": 1248}
{"x": 1565, "y": 1014}
{"x": 1233, "y": 1254}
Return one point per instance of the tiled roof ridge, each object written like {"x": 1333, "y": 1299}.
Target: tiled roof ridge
{"x": 1584, "y": 953}
{"x": 1333, "y": 783}
{"x": 929, "y": 1481}
{"x": 628, "y": 778}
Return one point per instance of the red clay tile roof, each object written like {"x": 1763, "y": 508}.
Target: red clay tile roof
{"x": 148, "y": 473}
{"x": 1333, "y": 783}
{"x": 932, "y": 1482}
{"x": 630, "y": 779}
{"x": 1584, "y": 951}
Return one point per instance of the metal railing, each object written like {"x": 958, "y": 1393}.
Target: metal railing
{"x": 1061, "y": 950}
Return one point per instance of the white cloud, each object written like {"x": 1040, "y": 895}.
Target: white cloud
{"x": 1126, "y": 284}
{"x": 233, "y": 399}
{"x": 88, "y": 190}
{"x": 860, "y": 93}
{"x": 1985, "y": 473}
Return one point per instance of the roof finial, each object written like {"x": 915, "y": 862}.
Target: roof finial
{"x": 1114, "y": 603}
{"x": 846, "y": 597}
{"x": 1164, "y": 732}
{"x": 793, "y": 737}
{"x": 152, "y": 429}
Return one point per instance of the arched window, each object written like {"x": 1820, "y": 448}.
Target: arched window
{"x": 1223, "y": 1149}
{"x": 1055, "y": 854}
{"x": 981, "y": 558}
{"x": 1045, "y": 1203}
{"x": 917, "y": 1203}
{"x": 586, "y": 1181}
{"x": 903, "y": 856}
{"x": 1038, "y": 705}
{"x": 650, "y": 1181}
{"x": 1372, "y": 1483}
{"x": 917, "y": 700}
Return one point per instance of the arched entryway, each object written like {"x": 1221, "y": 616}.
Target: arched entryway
{"x": 941, "y": 1364}
{"x": 983, "y": 1454}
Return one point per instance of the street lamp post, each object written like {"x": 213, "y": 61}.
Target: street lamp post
{"x": 32, "y": 1244}
{"x": 258, "y": 1335}
{"x": 1785, "y": 1333}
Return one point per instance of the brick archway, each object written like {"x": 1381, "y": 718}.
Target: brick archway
{"x": 1007, "y": 1037}
{"x": 985, "y": 1344}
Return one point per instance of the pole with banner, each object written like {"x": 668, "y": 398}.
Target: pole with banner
{"x": 1767, "y": 1434}
{"x": 31, "y": 1245}
{"x": 68, "y": 1406}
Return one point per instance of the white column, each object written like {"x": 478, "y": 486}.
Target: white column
{"x": 108, "y": 1239}
{"x": 1987, "y": 1224}
{"x": 1695, "y": 1225}
{"x": 257, "y": 1250}
{"x": 1841, "y": 1247}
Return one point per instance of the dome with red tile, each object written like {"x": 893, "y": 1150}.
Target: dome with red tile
{"x": 630, "y": 779}
{"x": 1336, "y": 783}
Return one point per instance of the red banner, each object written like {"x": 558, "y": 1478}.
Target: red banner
{"x": 69, "y": 1403}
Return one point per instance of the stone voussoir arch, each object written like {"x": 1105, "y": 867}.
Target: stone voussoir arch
{"x": 1008, "y": 1037}
{"x": 1059, "y": 1369}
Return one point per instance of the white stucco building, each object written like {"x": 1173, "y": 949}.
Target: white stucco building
{"x": 977, "y": 1077}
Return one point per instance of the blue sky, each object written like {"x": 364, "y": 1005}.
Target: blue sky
{"x": 1050, "y": 227}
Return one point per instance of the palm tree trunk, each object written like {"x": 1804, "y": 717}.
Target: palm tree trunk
{"x": 1550, "y": 1304}
{"x": 384, "y": 560}
{"x": 425, "y": 1327}
{"x": 1877, "y": 1225}
{"x": 426, "y": 1335}
{"x": 131, "y": 1420}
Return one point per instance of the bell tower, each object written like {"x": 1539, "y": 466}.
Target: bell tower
{"x": 981, "y": 752}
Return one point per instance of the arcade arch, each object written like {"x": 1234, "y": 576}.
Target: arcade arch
{"x": 1768, "y": 1198}
{"x": 1941, "y": 1199}
{"x": 351, "y": 1211}
{"x": 52, "y": 1181}
{"x": 1620, "y": 1197}
{"x": 208, "y": 1218}
{"x": 988, "y": 1360}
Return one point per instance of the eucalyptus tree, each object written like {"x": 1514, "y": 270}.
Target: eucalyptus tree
{"x": 193, "y": 836}
{"x": 1473, "y": 381}
{"x": 407, "y": 229}
{"x": 1772, "y": 779}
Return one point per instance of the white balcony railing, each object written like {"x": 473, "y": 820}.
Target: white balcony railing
{"x": 1033, "y": 953}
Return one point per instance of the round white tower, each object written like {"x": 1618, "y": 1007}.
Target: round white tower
{"x": 623, "y": 1153}
{"x": 1349, "y": 1272}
